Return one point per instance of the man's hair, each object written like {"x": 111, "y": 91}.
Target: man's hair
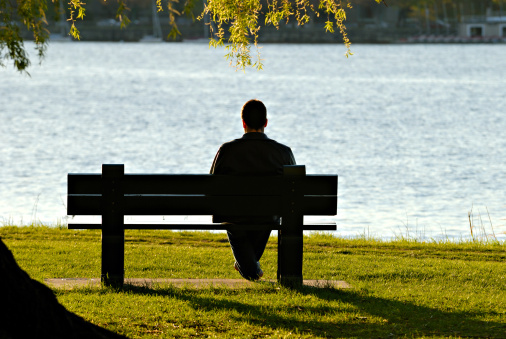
{"x": 254, "y": 114}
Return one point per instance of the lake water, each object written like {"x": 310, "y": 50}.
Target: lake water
{"x": 416, "y": 133}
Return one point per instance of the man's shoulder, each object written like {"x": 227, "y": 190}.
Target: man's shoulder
{"x": 246, "y": 141}
{"x": 279, "y": 145}
{"x": 230, "y": 143}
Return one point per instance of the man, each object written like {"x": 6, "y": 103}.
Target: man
{"x": 253, "y": 154}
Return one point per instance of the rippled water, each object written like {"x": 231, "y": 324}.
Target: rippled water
{"x": 415, "y": 132}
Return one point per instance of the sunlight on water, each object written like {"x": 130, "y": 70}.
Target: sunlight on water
{"x": 415, "y": 132}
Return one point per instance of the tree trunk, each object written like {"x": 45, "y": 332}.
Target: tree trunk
{"x": 29, "y": 309}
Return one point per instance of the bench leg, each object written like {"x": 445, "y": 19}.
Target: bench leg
{"x": 113, "y": 258}
{"x": 290, "y": 246}
{"x": 290, "y": 236}
{"x": 113, "y": 230}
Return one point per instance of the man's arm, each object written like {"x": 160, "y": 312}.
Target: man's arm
{"x": 215, "y": 162}
{"x": 292, "y": 158}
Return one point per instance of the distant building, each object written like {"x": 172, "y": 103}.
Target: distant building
{"x": 491, "y": 25}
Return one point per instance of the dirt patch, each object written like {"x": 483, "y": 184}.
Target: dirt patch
{"x": 69, "y": 283}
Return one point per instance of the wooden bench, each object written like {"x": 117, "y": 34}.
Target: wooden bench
{"x": 114, "y": 194}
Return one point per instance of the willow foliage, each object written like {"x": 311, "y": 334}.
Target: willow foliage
{"x": 241, "y": 17}
{"x": 30, "y": 13}
{"x": 234, "y": 24}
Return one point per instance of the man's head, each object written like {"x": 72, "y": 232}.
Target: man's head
{"x": 254, "y": 116}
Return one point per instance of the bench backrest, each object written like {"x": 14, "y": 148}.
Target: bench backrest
{"x": 201, "y": 194}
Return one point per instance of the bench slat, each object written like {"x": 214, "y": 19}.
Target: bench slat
{"x": 84, "y": 204}
{"x": 320, "y": 205}
{"x": 202, "y": 205}
{"x": 214, "y": 226}
{"x": 84, "y": 183}
{"x": 91, "y": 204}
{"x": 202, "y": 184}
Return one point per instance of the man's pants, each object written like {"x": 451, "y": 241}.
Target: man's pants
{"x": 248, "y": 247}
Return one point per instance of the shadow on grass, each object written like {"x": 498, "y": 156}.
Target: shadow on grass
{"x": 347, "y": 313}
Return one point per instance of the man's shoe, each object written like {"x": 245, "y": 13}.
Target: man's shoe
{"x": 260, "y": 272}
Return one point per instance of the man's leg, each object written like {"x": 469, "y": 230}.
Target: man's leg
{"x": 248, "y": 247}
{"x": 259, "y": 242}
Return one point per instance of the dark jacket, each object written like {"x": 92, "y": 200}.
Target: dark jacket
{"x": 253, "y": 154}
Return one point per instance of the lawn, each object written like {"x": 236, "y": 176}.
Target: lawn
{"x": 401, "y": 288}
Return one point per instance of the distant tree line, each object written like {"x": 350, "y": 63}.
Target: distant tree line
{"x": 139, "y": 9}
{"x": 234, "y": 22}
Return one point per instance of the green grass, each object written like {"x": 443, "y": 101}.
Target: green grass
{"x": 401, "y": 288}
